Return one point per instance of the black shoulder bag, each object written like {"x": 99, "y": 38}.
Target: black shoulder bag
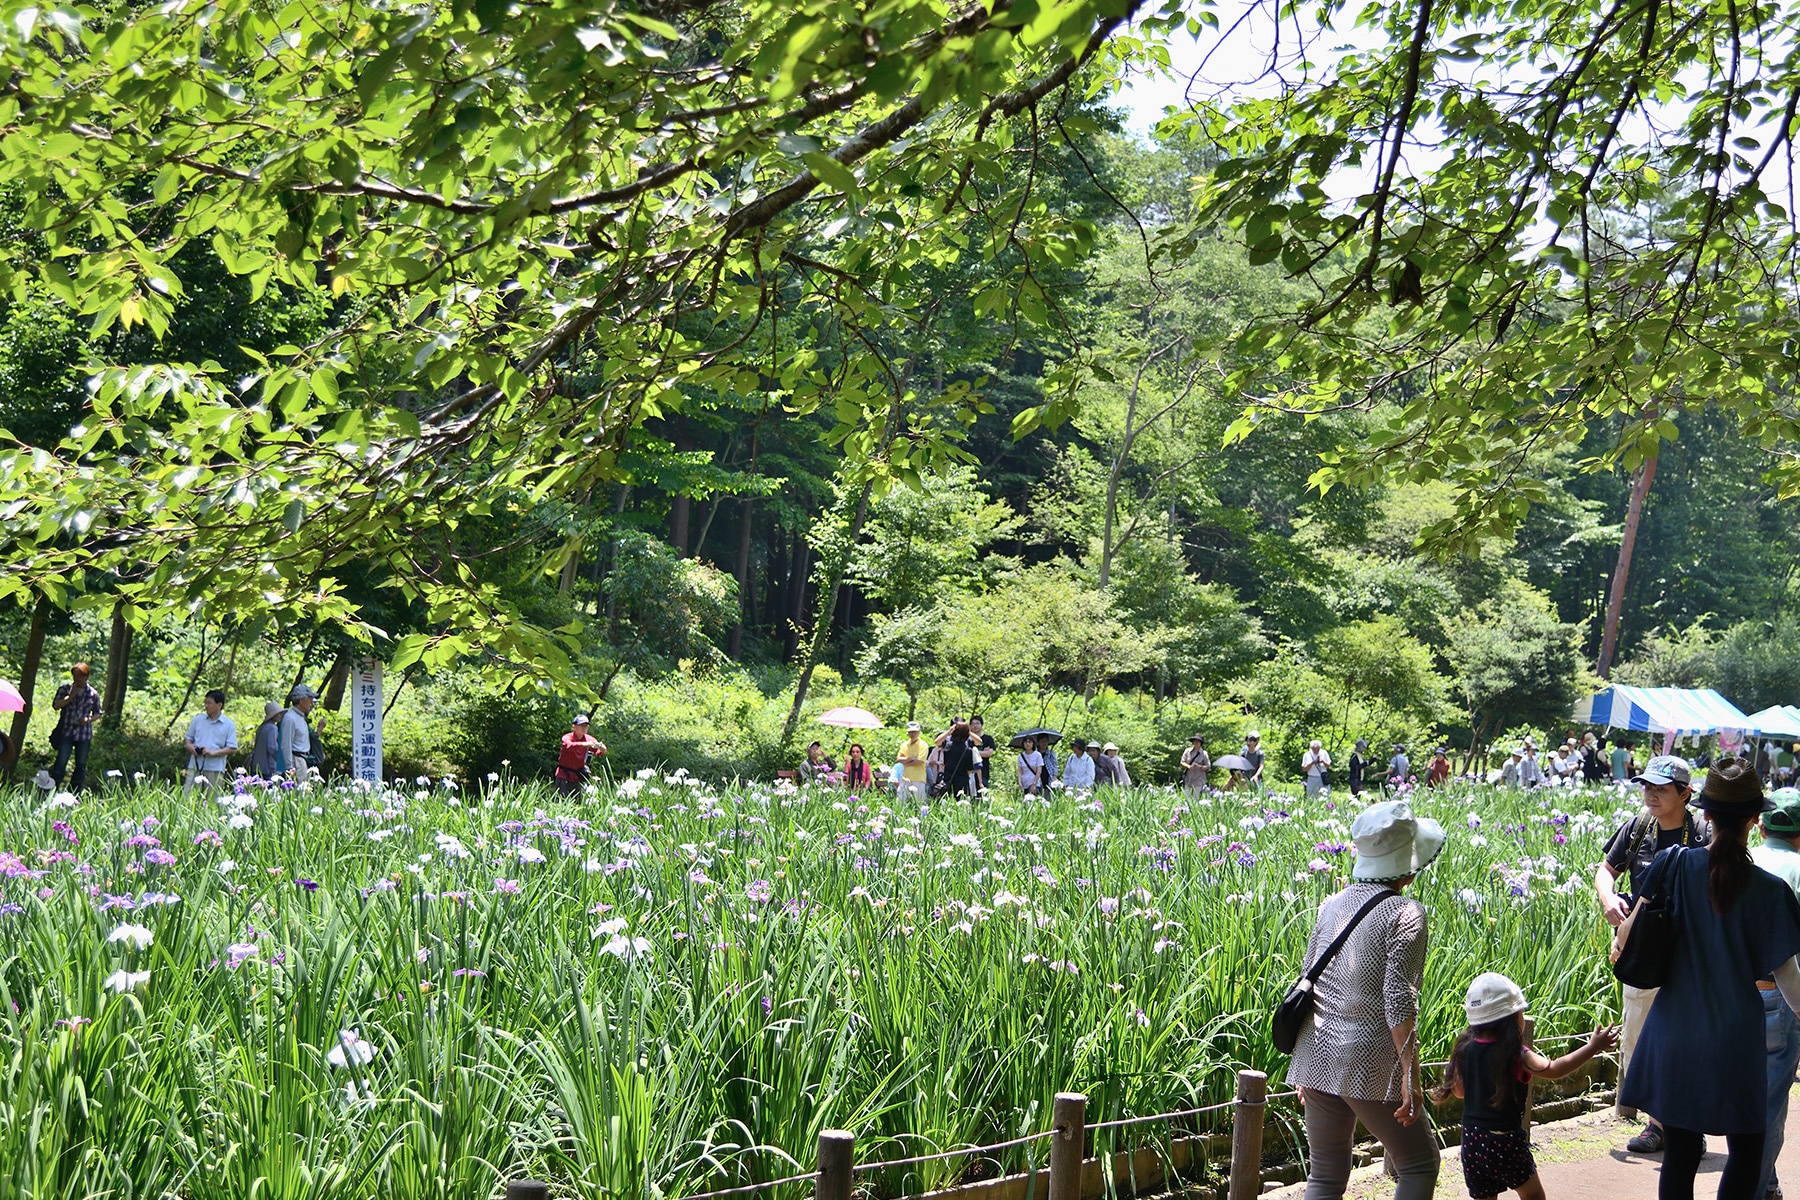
{"x": 1297, "y": 1005}
{"x": 1644, "y": 944}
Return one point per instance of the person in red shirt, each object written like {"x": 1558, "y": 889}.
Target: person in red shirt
{"x": 571, "y": 762}
{"x": 1439, "y": 773}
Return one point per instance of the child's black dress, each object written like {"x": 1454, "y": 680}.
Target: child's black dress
{"x": 1496, "y": 1151}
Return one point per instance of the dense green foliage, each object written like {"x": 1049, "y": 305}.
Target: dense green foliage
{"x": 671, "y": 987}
{"x": 747, "y": 352}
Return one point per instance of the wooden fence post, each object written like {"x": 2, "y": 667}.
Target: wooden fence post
{"x": 837, "y": 1165}
{"x": 1069, "y": 1123}
{"x": 1247, "y": 1136}
{"x": 527, "y": 1189}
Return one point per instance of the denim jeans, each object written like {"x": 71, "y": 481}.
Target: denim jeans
{"x": 80, "y": 750}
{"x": 1781, "y": 1037}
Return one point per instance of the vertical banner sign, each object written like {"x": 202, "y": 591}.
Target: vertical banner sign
{"x": 365, "y": 721}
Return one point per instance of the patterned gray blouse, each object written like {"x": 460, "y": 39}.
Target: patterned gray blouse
{"x": 1347, "y": 1048}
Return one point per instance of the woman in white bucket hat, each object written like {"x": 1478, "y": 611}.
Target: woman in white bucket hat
{"x": 1357, "y": 1057}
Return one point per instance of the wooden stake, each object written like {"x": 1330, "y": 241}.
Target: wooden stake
{"x": 1069, "y": 1121}
{"x": 1247, "y": 1136}
{"x": 837, "y": 1165}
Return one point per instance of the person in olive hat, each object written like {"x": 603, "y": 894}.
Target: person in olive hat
{"x": 1701, "y": 1065}
{"x": 1780, "y": 857}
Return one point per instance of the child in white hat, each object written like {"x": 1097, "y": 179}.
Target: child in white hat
{"x": 1490, "y": 1070}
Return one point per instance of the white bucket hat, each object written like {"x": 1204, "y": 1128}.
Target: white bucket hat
{"x": 1492, "y": 997}
{"x": 1391, "y": 843}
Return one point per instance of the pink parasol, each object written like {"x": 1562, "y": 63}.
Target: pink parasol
{"x": 10, "y": 700}
{"x": 850, "y": 717}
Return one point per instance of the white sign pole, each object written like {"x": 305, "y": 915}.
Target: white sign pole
{"x": 365, "y": 722}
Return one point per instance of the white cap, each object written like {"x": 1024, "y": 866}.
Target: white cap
{"x": 1492, "y": 997}
{"x": 1253, "y": 736}
{"x": 912, "y": 727}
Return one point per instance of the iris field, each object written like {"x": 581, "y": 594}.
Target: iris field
{"x": 671, "y": 986}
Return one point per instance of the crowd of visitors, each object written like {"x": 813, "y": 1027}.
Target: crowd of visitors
{"x": 1713, "y": 1050}
{"x": 284, "y": 743}
{"x": 959, "y": 760}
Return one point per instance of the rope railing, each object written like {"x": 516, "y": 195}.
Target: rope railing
{"x": 837, "y": 1170}
{"x": 739, "y": 1191}
{"x": 834, "y": 1179}
{"x": 861, "y": 1168}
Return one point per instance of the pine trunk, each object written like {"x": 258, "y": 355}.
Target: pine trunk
{"x": 1615, "y": 601}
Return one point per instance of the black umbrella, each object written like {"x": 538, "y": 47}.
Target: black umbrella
{"x": 1045, "y": 737}
{"x": 1233, "y": 762}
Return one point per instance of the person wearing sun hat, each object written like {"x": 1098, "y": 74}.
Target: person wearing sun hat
{"x": 1701, "y": 1064}
{"x": 1357, "y": 1056}
{"x": 1665, "y": 821}
{"x": 1779, "y": 855}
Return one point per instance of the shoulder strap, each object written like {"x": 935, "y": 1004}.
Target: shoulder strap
{"x": 1369, "y": 906}
{"x": 1656, "y": 880}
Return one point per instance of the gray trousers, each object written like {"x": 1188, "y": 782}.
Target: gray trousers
{"x": 1411, "y": 1150}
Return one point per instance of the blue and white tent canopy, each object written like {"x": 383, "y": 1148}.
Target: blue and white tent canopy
{"x": 1662, "y": 710}
{"x": 1780, "y": 720}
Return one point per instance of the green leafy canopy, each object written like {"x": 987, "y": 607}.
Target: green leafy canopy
{"x": 538, "y": 226}
{"x": 1516, "y": 220}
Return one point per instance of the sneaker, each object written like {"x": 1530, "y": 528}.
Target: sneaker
{"x": 1648, "y": 1142}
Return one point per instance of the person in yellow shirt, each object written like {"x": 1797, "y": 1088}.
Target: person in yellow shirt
{"x": 913, "y": 753}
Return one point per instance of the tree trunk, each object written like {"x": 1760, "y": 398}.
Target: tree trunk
{"x": 775, "y": 584}
{"x": 237, "y": 640}
{"x": 680, "y": 506}
{"x": 333, "y": 699}
{"x": 746, "y": 602}
{"x": 34, "y": 658}
{"x": 300, "y": 671}
{"x": 831, "y": 582}
{"x": 1615, "y": 601}
{"x": 192, "y": 683}
{"x": 799, "y": 569}
{"x": 118, "y": 669}
{"x": 565, "y": 583}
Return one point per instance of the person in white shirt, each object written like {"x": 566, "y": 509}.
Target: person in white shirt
{"x": 295, "y": 740}
{"x": 1078, "y": 771}
{"x": 1031, "y": 768}
{"x": 211, "y": 736}
{"x": 1313, "y": 765}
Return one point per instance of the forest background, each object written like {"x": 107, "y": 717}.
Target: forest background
{"x": 1124, "y": 551}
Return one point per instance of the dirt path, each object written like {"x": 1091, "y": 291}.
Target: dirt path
{"x": 1585, "y": 1159}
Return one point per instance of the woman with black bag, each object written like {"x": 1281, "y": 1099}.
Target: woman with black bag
{"x": 1700, "y": 1065}
{"x": 1357, "y": 1053}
